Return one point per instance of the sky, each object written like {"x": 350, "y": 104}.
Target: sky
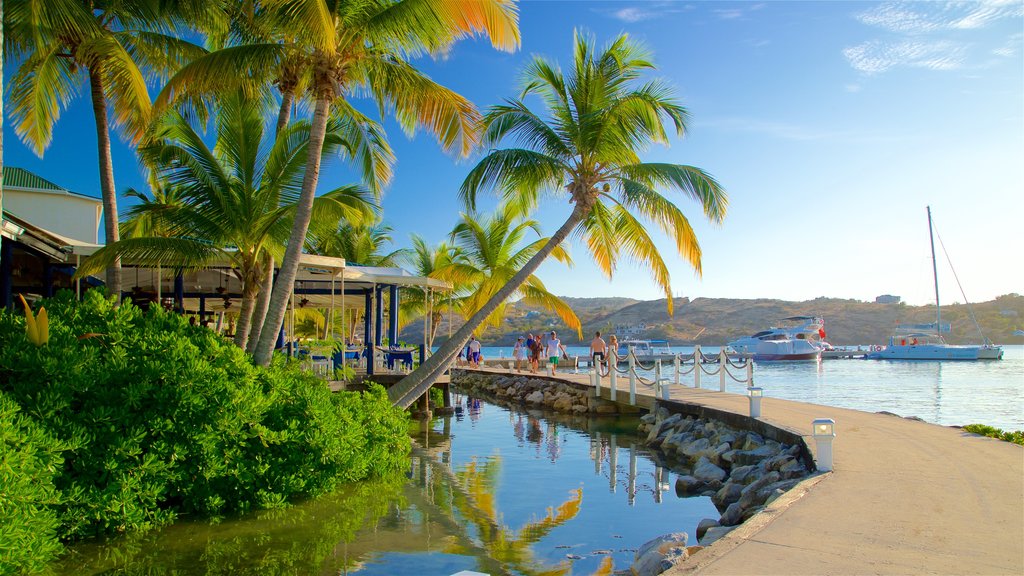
{"x": 831, "y": 125}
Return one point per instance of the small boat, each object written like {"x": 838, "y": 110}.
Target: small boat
{"x": 646, "y": 350}
{"x": 797, "y": 338}
{"x": 914, "y": 343}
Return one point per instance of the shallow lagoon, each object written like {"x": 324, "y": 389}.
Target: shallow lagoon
{"x": 489, "y": 489}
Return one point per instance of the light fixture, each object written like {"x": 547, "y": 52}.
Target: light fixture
{"x": 824, "y": 432}
{"x": 227, "y": 303}
{"x": 755, "y": 393}
{"x": 303, "y": 302}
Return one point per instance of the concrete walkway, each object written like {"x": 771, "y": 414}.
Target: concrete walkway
{"x": 905, "y": 497}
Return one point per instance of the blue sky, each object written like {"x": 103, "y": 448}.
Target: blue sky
{"x": 831, "y": 125}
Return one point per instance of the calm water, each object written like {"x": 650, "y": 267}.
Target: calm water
{"x": 949, "y": 393}
{"x": 491, "y": 490}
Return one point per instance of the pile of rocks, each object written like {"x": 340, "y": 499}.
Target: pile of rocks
{"x": 740, "y": 470}
{"x": 557, "y": 395}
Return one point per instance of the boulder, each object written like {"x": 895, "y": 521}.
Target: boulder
{"x": 752, "y": 441}
{"x": 694, "y": 449}
{"x": 732, "y": 516}
{"x": 535, "y": 397}
{"x": 793, "y": 469}
{"x": 743, "y": 474}
{"x": 714, "y": 534}
{"x": 755, "y": 456}
{"x": 704, "y": 525}
{"x": 726, "y": 495}
{"x": 660, "y": 554}
{"x": 705, "y": 470}
{"x": 687, "y": 485}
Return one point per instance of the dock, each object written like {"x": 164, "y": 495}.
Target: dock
{"x": 904, "y": 497}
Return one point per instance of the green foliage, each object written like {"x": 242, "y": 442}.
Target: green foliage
{"x": 29, "y": 459}
{"x": 1016, "y": 436}
{"x": 160, "y": 418}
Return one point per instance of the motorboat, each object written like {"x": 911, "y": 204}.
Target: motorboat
{"x": 918, "y": 342}
{"x": 646, "y": 350}
{"x": 797, "y": 338}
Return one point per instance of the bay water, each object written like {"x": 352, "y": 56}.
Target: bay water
{"x": 951, "y": 393}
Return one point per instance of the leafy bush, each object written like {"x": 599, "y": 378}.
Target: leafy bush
{"x": 1017, "y": 437}
{"x": 161, "y": 418}
{"x": 29, "y": 459}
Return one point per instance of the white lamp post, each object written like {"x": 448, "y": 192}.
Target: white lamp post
{"x": 755, "y": 395}
{"x": 824, "y": 432}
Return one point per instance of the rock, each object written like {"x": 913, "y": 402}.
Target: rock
{"x": 535, "y": 397}
{"x": 774, "y": 496}
{"x": 728, "y": 494}
{"x": 732, "y": 516}
{"x": 704, "y": 525}
{"x": 687, "y": 485}
{"x": 695, "y": 448}
{"x": 691, "y": 550}
{"x": 706, "y": 471}
{"x": 753, "y": 441}
{"x": 793, "y": 469}
{"x": 714, "y": 534}
{"x": 743, "y": 474}
{"x": 647, "y": 418}
{"x": 750, "y": 512}
{"x": 754, "y": 494}
{"x": 755, "y": 456}
{"x": 661, "y": 413}
{"x": 660, "y": 554}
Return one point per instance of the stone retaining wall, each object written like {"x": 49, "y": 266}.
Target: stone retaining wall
{"x": 743, "y": 464}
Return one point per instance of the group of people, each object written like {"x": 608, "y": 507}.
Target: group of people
{"x": 532, "y": 347}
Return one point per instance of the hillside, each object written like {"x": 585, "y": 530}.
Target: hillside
{"x": 715, "y": 321}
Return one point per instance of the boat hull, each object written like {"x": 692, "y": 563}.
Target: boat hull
{"x": 794, "y": 357}
{"x": 926, "y": 352}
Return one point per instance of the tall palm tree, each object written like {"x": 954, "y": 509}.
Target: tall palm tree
{"x": 364, "y": 45}
{"x": 113, "y": 45}
{"x": 494, "y": 252}
{"x": 238, "y": 199}
{"x": 599, "y": 117}
{"x": 361, "y": 243}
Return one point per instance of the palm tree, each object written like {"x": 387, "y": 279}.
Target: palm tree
{"x": 361, "y": 244}
{"x": 431, "y": 262}
{"x": 115, "y": 44}
{"x": 238, "y": 199}
{"x": 493, "y": 253}
{"x": 364, "y": 44}
{"x": 599, "y": 117}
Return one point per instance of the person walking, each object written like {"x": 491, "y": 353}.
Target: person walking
{"x": 598, "y": 350}
{"x": 519, "y": 353}
{"x": 535, "y": 350}
{"x": 554, "y": 352}
{"x": 613, "y": 350}
{"x": 474, "y": 352}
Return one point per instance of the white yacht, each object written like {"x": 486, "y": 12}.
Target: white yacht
{"x": 797, "y": 338}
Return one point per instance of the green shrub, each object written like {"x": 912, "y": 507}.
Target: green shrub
{"x": 1017, "y": 436}
{"x": 161, "y": 418}
{"x": 29, "y": 459}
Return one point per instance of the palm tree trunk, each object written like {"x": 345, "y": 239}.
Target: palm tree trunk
{"x": 284, "y": 115}
{"x": 259, "y": 315}
{"x": 408, "y": 389}
{"x": 109, "y": 192}
{"x": 245, "y": 314}
{"x": 303, "y": 214}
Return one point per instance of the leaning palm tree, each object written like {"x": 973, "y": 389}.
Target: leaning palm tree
{"x": 113, "y": 45}
{"x": 238, "y": 198}
{"x": 599, "y": 117}
{"x": 494, "y": 251}
{"x": 364, "y": 45}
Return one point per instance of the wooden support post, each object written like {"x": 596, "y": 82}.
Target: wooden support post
{"x": 698, "y": 365}
{"x": 723, "y": 364}
{"x": 632, "y": 377}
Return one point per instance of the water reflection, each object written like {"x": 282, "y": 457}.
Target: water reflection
{"x": 491, "y": 490}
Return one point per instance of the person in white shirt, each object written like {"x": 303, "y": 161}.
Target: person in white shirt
{"x": 554, "y": 351}
{"x": 474, "y": 352}
{"x": 519, "y": 353}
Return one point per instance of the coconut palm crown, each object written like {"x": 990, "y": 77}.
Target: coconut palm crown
{"x": 599, "y": 117}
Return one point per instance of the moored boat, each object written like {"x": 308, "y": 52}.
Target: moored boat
{"x": 797, "y": 338}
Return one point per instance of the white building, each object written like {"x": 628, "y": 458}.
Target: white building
{"x": 52, "y": 207}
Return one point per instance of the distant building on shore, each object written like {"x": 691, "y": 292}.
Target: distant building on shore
{"x": 630, "y": 330}
{"x": 887, "y": 299}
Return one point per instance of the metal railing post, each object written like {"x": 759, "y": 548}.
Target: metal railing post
{"x": 657, "y": 378}
{"x": 612, "y": 369}
{"x": 750, "y": 373}
{"x": 698, "y": 365}
{"x": 723, "y": 363}
{"x": 632, "y": 377}
{"x": 678, "y": 360}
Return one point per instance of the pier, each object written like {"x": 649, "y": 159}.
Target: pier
{"x": 904, "y": 496}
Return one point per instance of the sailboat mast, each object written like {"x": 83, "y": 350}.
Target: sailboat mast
{"x": 935, "y": 275}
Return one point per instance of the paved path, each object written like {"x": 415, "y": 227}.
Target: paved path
{"x": 905, "y": 497}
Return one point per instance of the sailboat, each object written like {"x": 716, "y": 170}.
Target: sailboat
{"x": 919, "y": 342}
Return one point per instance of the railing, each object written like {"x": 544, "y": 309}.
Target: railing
{"x": 696, "y": 363}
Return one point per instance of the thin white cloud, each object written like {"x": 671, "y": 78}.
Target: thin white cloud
{"x": 874, "y": 57}
{"x": 632, "y": 15}
{"x": 929, "y": 35}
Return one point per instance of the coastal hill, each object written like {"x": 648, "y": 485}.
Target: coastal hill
{"x": 715, "y": 321}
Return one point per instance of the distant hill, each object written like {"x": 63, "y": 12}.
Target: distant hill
{"x": 715, "y": 321}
